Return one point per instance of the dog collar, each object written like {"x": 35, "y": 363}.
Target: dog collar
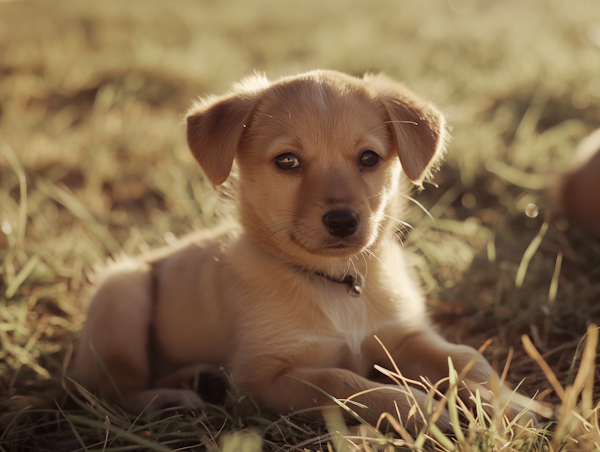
{"x": 355, "y": 284}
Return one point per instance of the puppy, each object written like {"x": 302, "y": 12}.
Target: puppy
{"x": 300, "y": 287}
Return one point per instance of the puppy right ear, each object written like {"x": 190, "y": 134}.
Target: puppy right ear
{"x": 214, "y": 130}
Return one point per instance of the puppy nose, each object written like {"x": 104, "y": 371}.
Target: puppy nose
{"x": 341, "y": 223}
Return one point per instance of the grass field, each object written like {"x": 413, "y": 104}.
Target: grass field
{"x": 93, "y": 162}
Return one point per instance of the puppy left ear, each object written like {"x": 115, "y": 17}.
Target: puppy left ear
{"x": 418, "y": 127}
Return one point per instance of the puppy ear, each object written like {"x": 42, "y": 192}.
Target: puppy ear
{"x": 214, "y": 130}
{"x": 419, "y": 128}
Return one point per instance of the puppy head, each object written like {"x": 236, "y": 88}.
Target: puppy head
{"x": 320, "y": 156}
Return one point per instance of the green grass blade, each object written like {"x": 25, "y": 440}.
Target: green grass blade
{"x": 133, "y": 438}
{"x": 451, "y": 404}
{"x": 529, "y": 253}
{"x": 21, "y": 276}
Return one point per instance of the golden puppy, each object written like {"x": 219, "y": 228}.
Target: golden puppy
{"x": 299, "y": 287}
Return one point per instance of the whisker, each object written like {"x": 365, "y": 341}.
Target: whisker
{"x": 402, "y": 122}
{"x": 347, "y": 270}
{"x": 282, "y": 251}
{"x": 362, "y": 253}
{"x": 269, "y": 228}
{"x": 355, "y": 271}
{"x": 296, "y": 248}
{"x": 266, "y": 230}
{"x": 372, "y": 196}
{"x": 400, "y": 231}
{"x": 385, "y": 236}
{"x": 290, "y": 224}
{"x": 285, "y": 211}
{"x": 410, "y": 198}
{"x": 373, "y": 255}
{"x": 403, "y": 223}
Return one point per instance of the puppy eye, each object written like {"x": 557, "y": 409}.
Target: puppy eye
{"x": 368, "y": 159}
{"x": 287, "y": 161}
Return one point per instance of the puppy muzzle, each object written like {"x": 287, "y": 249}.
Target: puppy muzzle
{"x": 341, "y": 223}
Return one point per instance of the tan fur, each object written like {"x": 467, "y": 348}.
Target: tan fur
{"x": 251, "y": 296}
{"x": 578, "y": 191}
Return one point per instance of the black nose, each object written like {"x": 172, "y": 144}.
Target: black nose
{"x": 341, "y": 223}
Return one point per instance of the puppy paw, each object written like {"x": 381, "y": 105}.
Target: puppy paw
{"x": 523, "y": 415}
{"x": 415, "y": 423}
{"x": 412, "y": 411}
{"x": 525, "y": 410}
{"x": 212, "y": 385}
{"x": 207, "y": 380}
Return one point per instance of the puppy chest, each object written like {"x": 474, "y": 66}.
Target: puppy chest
{"x": 351, "y": 319}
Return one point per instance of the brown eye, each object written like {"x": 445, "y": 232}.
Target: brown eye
{"x": 368, "y": 159}
{"x": 287, "y": 161}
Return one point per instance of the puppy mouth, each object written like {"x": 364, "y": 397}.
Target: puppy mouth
{"x": 337, "y": 247}
{"x": 342, "y": 245}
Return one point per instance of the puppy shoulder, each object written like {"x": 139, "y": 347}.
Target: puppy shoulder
{"x": 196, "y": 242}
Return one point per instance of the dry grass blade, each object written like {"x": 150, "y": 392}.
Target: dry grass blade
{"x": 573, "y": 418}
{"x": 537, "y": 357}
{"x": 338, "y": 402}
{"x": 396, "y": 425}
{"x": 584, "y": 381}
{"x": 555, "y": 276}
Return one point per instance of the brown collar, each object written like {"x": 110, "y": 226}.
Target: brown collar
{"x": 355, "y": 283}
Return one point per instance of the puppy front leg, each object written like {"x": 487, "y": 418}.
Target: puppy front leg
{"x": 285, "y": 393}
{"x": 423, "y": 353}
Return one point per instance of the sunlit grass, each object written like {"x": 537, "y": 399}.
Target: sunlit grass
{"x": 93, "y": 162}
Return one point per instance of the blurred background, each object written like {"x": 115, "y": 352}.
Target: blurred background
{"x": 93, "y": 159}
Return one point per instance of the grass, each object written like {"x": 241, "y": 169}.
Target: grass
{"x": 93, "y": 162}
